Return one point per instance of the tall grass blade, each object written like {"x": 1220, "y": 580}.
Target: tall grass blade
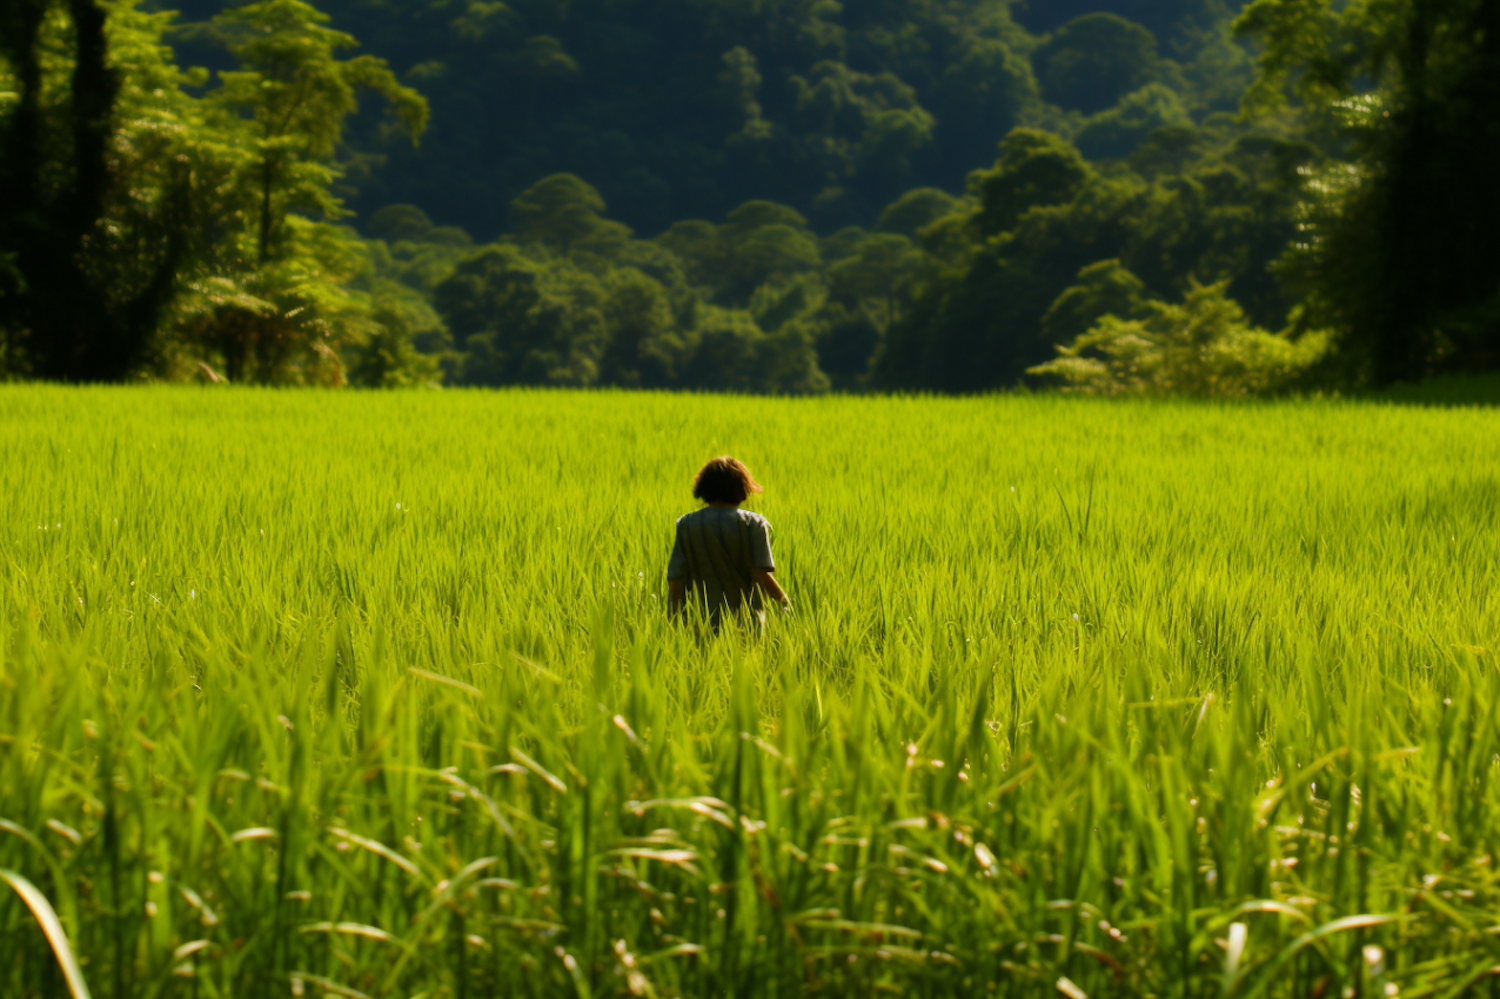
{"x": 52, "y": 929}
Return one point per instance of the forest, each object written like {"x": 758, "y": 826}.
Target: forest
{"x": 1189, "y": 197}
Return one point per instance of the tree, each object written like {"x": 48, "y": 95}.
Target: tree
{"x": 875, "y": 276}
{"x": 767, "y": 253}
{"x": 297, "y": 96}
{"x": 916, "y": 209}
{"x": 735, "y": 355}
{"x": 1401, "y": 245}
{"x": 729, "y": 345}
{"x": 647, "y": 348}
{"x": 1104, "y": 289}
{"x": 869, "y": 123}
{"x": 702, "y": 250}
{"x": 1092, "y": 61}
{"x": 1181, "y": 18}
{"x": 759, "y": 241}
{"x": 1119, "y": 131}
{"x": 1203, "y": 348}
{"x": 399, "y": 222}
{"x": 562, "y": 212}
{"x": 985, "y": 89}
{"x": 217, "y": 237}
{"x": 157, "y": 223}
{"x": 1035, "y": 168}
{"x": 269, "y": 304}
{"x": 61, "y": 171}
{"x": 387, "y": 357}
{"x": 977, "y": 315}
{"x": 523, "y": 321}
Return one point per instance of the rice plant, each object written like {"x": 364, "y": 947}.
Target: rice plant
{"x": 375, "y": 695}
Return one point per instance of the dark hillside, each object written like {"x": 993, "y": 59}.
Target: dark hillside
{"x": 685, "y": 108}
{"x": 778, "y": 196}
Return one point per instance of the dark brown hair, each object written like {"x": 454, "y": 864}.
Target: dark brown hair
{"x": 724, "y": 480}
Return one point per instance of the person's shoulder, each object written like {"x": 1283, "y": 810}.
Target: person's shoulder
{"x": 754, "y": 518}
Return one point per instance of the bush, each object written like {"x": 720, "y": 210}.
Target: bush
{"x": 1203, "y": 347}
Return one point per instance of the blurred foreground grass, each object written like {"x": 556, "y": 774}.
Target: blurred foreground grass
{"x": 373, "y": 695}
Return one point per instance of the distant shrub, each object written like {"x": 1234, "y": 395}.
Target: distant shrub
{"x": 1203, "y": 347}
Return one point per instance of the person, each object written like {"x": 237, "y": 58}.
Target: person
{"x": 723, "y": 553}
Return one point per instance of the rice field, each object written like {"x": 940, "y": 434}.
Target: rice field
{"x": 374, "y": 695}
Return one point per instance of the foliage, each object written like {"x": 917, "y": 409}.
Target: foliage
{"x": 573, "y": 301}
{"x": 1124, "y": 128}
{"x": 524, "y": 321}
{"x": 197, "y": 243}
{"x": 1035, "y": 168}
{"x": 329, "y": 717}
{"x": 1202, "y": 348}
{"x": 1208, "y": 204}
{"x": 1103, "y": 289}
{"x": 1398, "y": 246}
{"x": 287, "y": 312}
{"x": 387, "y": 356}
{"x": 915, "y": 210}
{"x": 1170, "y": 20}
{"x": 83, "y": 299}
{"x": 799, "y": 165}
{"x": 687, "y": 108}
{"x": 562, "y": 212}
{"x": 1092, "y": 61}
{"x": 295, "y": 95}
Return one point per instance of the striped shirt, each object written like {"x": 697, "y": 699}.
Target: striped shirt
{"x": 715, "y": 551}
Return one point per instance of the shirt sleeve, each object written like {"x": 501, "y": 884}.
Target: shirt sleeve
{"x": 760, "y": 545}
{"x": 677, "y": 564}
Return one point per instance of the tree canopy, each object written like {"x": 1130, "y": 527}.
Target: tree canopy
{"x": 951, "y": 195}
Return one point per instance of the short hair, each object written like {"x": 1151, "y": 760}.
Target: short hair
{"x": 724, "y": 480}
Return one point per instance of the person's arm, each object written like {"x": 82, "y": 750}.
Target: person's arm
{"x": 676, "y": 576}
{"x": 766, "y": 580}
{"x": 763, "y": 564}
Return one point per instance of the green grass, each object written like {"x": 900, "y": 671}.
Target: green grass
{"x": 1152, "y": 698}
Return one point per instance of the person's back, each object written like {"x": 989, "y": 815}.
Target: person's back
{"x": 721, "y": 552}
{"x": 719, "y": 549}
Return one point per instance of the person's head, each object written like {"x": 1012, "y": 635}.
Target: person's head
{"x": 724, "y": 480}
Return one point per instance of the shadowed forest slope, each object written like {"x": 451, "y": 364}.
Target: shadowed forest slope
{"x": 788, "y": 196}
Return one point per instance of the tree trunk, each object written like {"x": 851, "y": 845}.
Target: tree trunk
{"x": 71, "y": 333}
{"x": 100, "y": 347}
